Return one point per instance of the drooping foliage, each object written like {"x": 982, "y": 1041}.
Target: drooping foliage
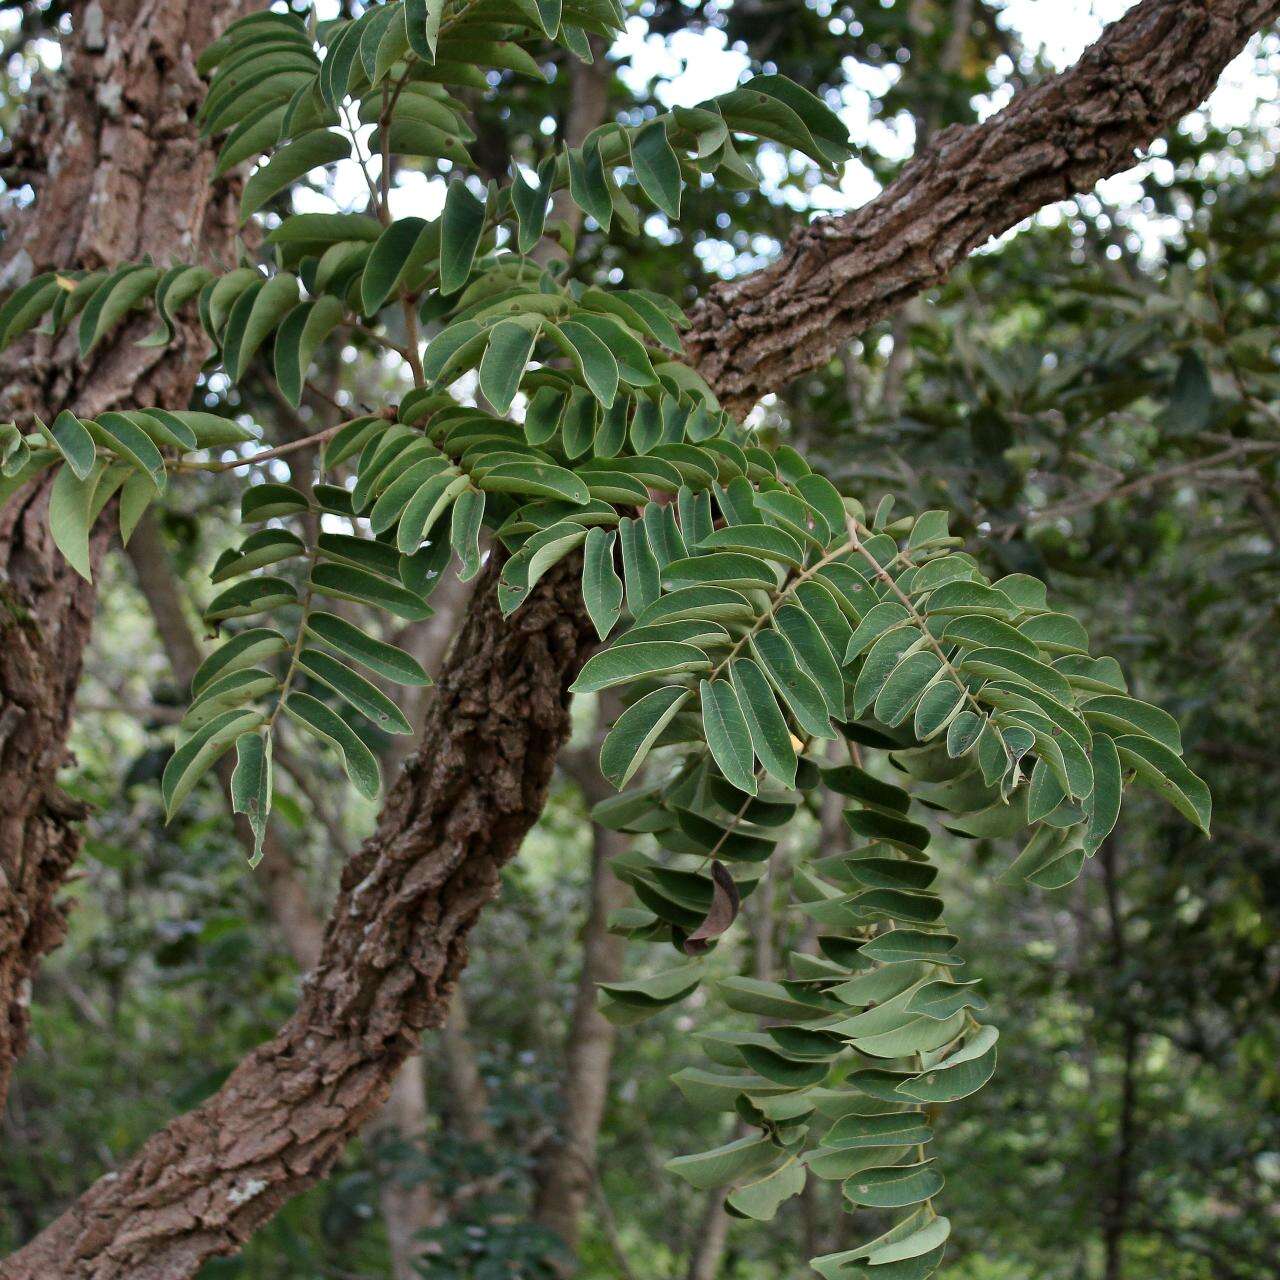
{"x": 753, "y": 614}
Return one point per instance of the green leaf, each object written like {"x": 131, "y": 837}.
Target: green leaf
{"x": 117, "y": 295}
{"x": 251, "y": 786}
{"x": 250, "y": 596}
{"x": 267, "y": 546}
{"x": 761, "y": 1198}
{"x": 728, "y": 737}
{"x": 510, "y": 345}
{"x": 380, "y": 657}
{"x": 1008, "y": 664}
{"x": 291, "y": 162}
{"x": 895, "y": 1186}
{"x": 770, "y": 736}
{"x": 814, "y": 655}
{"x": 878, "y": 621}
{"x": 404, "y": 245}
{"x": 723, "y": 1165}
{"x": 460, "y": 229}
{"x": 905, "y": 687}
{"x": 627, "y": 663}
{"x": 348, "y": 583}
{"x": 601, "y": 587}
{"x": 763, "y": 540}
{"x": 899, "y": 945}
{"x": 71, "y": 515}
{"x": 136, "y": 495}
{"x": 636, "y": 730}
{"x": 1103, "y": 807}
{"x": 120, "y": 433}
{"x": 593, "y": 359}
{"x": 359, "y": 762}
{"x": 937, "y": 709}
{"x": 795, "y": 686}
{"x": 73, "y": 441}
{"x": 243, "y": 650}
{"x": 893, "y": 1129}
{"x": 879, "y": 663}
{"x": 536, "y": 480}
{"x": 296, "y": 342}
{"x": 270, "y": 501}
{"x": 195, "y": 756}
{"x": 354, "y": 690}
{"x": 430, "y": 501}
{"x": 656, "y": 166}
{"x": 962, "y": 1073}
{"x": 1164, "y": 773}
{"x": 228, "y": 692}
{"x": 422, "y": 22}
{"x": 639, "y": 566}
{"x": 1122, "y": 715}
{"x": 256, "y": 315}
{"x": 464, "y": 536}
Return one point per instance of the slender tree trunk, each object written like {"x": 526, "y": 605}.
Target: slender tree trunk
{"x": 468, "y": 1102}
{"x": 568, "y": 1170}
{"x": 118, "y": 170}
{"x": 713, "y": 1236}
{"x": 408, "y": 1209}
{"x": 1119, "y": 1197}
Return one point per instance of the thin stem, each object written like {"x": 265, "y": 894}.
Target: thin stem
{"x": 265, "y": 455}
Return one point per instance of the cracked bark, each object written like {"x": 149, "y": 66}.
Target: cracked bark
{"x": 838, "y": 275}
{"x": 118, "y": 170}
{"x": 397, "y": 937}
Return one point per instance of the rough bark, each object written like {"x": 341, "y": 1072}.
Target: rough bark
{"x": 394, "y": 946}
{"x": 838, "y": 275}
{"x": 397, "y": 938}
{"x": 118, "y": 170}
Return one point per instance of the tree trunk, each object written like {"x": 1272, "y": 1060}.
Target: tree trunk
{"x": 397, "y": 938}
{"x": 713, "y": 1235}
{"x": 468, "y": 1103}
{"x": 406, "y": 1209}
{"x": 1118, "y": 1201}
{"x": 394, "y": 946}
{"x": 118, "y": 170}
{"x": 568, "y": 1169}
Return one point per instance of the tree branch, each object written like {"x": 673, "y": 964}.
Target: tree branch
{"x": 838, "y": 275}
